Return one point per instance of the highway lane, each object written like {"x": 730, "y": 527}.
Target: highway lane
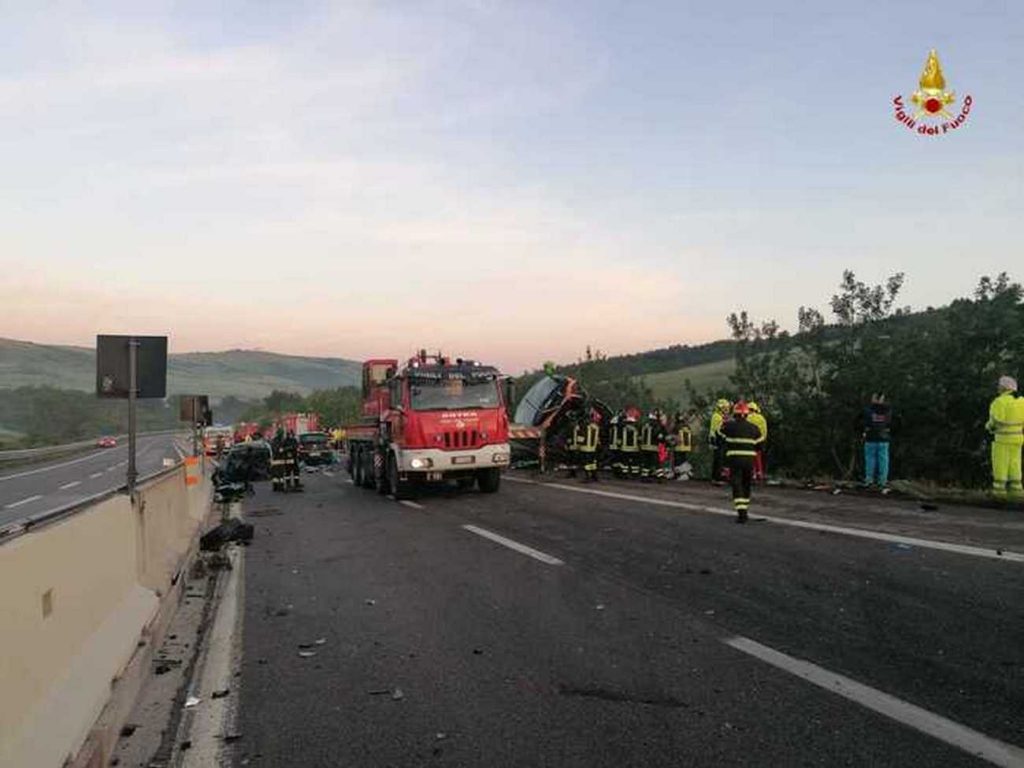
{"x": 541, "y": 626}
{"x": 36, "y": 488}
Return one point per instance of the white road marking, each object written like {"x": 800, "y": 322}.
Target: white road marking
{"x": 863, "y": 533}
{"x": 23, "y": 501}
{"x": 95, "y": 475}
{"x": 941, "y": 728}
{"x": 413, "y": 504}
{"x": 72, "y": 484}
{"x": 521, "y": 548}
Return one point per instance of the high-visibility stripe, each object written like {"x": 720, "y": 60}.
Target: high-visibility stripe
{"x": 743, "y": 440}
{"x": 741, "y": 453}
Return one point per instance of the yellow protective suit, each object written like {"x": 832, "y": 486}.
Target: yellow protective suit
{"x": 1006, "y": 423}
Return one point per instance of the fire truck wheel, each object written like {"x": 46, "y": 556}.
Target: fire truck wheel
{"x": 489, "y": 479}
{"x": 357, "y": 468}
{"x": 400, "y": 489}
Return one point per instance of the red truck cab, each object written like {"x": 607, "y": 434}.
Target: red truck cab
{"x": 433, "y": 420}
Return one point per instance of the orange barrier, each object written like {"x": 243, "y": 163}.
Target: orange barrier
{"x": 192, "y": 471}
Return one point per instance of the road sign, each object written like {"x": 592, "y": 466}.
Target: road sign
{"x": 131, "y": 367}
{"x": 195, "y": 409}
{"x": 113, "y": 366}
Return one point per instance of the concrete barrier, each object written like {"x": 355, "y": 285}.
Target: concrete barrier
{"x": 78, "y": 599}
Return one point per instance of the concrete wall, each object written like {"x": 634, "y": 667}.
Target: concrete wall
{"x": 76, "y": 597}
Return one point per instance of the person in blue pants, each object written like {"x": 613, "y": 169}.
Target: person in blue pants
{"x": 877, "y": 432}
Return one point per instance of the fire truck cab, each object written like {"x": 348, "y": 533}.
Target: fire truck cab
{"x": 433, "y": 420}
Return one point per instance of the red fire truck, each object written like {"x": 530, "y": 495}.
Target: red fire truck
{"x": 298, "y": 423}
{"x": 434, "y": 420}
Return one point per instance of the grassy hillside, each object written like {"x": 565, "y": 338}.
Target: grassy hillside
{"x": 243, "y": 373}
{"x": 670, "y": 384}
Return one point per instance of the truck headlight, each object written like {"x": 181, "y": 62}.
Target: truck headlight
{"x": 500, "y": 458}
{"x": 421, "y": 463}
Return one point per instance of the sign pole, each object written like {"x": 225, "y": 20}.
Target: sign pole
{"x": 133, "y": 385}
{"x": 195, "y": 426}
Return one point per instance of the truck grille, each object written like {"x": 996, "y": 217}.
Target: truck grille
{"x": 461, "y": 438}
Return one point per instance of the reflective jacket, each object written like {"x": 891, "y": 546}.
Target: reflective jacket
{"x": 629, "y": 438}
{"x": 759, "y": 421}
{"x": 715, "y": 427}
{"x": 1006, "y": 419}
{"x": 588, "y": 438}
{"x": 741, "y": 439}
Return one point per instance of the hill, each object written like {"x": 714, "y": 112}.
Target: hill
{"x": 669, "y": 385}
{"x": 246, "y": 374}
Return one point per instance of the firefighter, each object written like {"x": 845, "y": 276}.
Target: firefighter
{"x": 682, "y": 444}
{"x": 290, "y": 455}
{"x": 1006, "y": 424}
{"x": 573, "y": 443}
{"x": 757, "y": 418}
{"x": 278, "y": 463}
{"x": 630, "y": 446}
{"x": 615, "y": 443}
{"x": 649, "y": 434}
{"x": 590, "y": 433}
{"x": 741, "y": 440}
{"x": 715, "y": 440}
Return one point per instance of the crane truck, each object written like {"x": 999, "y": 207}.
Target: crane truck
{"x": 433, "y": 420}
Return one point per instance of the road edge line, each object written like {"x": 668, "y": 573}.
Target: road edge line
{"x": 1003, "y": 555}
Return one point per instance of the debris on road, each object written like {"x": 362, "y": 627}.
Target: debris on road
{"x": 192, "y": 701}
{"x": 599, "y": 607}
{"x": 232, "y": 529}
{"x": 221, "y": 693}
{"x": 368, "y": 601}
{"x": 928, "y": 507}
{"x": 307, "y": 654}
{"x": 705, "y": 571}
{"x": 320, "y": 641}
{"x": 397, "y": 695}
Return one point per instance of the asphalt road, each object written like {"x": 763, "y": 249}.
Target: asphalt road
{"x": 37, "y": 488}
{"x": 613, "y": 629}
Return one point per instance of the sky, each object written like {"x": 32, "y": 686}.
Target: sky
{"x": 506, "y": 181}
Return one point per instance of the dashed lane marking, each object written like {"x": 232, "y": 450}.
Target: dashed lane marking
{"x": 941, "y": 728}
{"x": 23, "y": 501}
{"x": 413, "y": 504}
{"x": 72, "y": 484}
{"x": 94, "y": 475}
{"x": 863, "y": 533}
{"x": 521, "y": 548}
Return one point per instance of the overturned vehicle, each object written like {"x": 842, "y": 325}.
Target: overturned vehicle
{"x": 544, "y": 418}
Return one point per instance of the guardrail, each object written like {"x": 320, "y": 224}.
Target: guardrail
{"x": 15, "y": 528}
{"x": 56, "y": 450}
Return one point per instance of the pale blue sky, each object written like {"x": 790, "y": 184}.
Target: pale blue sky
{"x": 507, "y": 180}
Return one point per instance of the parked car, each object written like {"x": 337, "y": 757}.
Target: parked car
{"x": 107, "y": 442}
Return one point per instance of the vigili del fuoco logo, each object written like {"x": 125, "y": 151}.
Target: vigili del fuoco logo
{"x": 930, "y": 101}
